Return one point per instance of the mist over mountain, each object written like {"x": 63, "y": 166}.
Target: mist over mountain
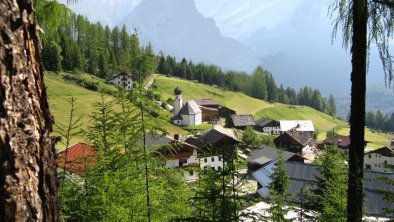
{"x": 292, "y": 39}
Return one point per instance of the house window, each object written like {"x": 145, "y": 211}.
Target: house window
{"x": 182, "y": 162}
{"x": 213, "y": 168}
{"x": 205, "y": 160}
{"x": 376, "y": 155}
{"x": 376, "y": 165}
{"x": 191, "y": 172}
{"x": 367, "y": 166}
{"x": 369, "y": 156}
{"x": 385, "y": 165}
{"x": 220, "y": 158}
{"x": 213, "y": 159}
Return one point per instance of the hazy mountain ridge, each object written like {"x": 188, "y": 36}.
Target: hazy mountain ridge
{"x": 379, "y": 97}
{"x": 177, "y": 28}
{"x": 293, "y": 39}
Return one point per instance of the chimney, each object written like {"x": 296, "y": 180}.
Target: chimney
{"x": 177, "y": 137}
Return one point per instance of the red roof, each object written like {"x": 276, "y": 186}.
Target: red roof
{"x": 79, "y": 156}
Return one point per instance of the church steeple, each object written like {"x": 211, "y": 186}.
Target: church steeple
{"x": 178, "y": 103}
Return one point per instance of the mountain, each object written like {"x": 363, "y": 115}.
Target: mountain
{"x": 379, "y": 97}
{"x": 294, "y": 39}
{"x": 177, "y": 28}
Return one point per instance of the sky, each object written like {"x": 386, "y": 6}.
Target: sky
{"x": 293, "y": 38}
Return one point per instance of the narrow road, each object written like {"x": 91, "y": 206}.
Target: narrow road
{"x": 150, "y": 82}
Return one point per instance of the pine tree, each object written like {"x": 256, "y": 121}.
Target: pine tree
{"x": 51, "y": 55}
{"x": 278, "y": 191}
{"x": 329, "y": 198}
{"x": 332, "y": 108}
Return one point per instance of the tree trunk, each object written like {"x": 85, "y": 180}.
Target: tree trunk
{"x": 357, "y": 109}
{"x": 28, "y": 189}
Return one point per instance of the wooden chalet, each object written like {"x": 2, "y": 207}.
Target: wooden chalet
{"x": 293, "y": 141}
{"x": 241, "y": 121}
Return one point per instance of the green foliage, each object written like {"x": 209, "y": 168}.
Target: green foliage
{"x": 278, "y": 191}
{"x": 51, "y": 56}
{"x": 331, "y": 133}
{"x": 329, "y": 198}
{"x": 250, "y": 137}
{"x": 216, "y": 197}
{"x": 114, "y": 186}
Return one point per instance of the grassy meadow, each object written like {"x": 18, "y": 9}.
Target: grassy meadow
{"x": 59, "y": 91}
{"x": 244, "y": 104}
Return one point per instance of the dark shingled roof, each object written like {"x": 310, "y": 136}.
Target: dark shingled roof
{"x": 302, "y": 176}
{"x": 206, "y": 102}
{"x": 339, "y": 140}
{"x": 265, "y": 121}
{"x": 266, "y": 154}
{"x": 297, "y": 136}
{"x": 190, "y": 107}
{"x": 177, "y": 117}
{"x": 243, "y": 120}
{"x": 212, "y": 136}
{"x": 384, "y": 151}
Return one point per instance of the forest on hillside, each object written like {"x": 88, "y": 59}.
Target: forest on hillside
{"x": 79, "y": 45}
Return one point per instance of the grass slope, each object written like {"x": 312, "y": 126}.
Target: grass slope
{"x": 59, "y": 91}
{"x": 244, "y": 104}
{"x": 240, "y": 102}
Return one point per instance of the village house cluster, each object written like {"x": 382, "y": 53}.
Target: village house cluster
{"x": 295, "y": 138}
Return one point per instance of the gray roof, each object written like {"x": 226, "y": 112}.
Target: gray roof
{"x": 265, "y": 154}
{"x": 384, "y": 151}
{"x": 265, "y": 121}
{"x": 243, "y": 120}
{"x": 302, "y": 176}
{"x": 296, "y": 135}
{"x": 212, "y": 136}
{"x": 189, "y": 108}
{"x": 156, "y": 141}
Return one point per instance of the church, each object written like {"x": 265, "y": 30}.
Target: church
{"x": 188, "y": 114}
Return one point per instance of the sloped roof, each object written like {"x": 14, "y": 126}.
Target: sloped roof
{"x": 342, "y": 141}
{"x": 212, "y": 136}
{"x": 155, "y": 141}
{"x": 265, "y": 154}
{"x": 297, "y": 136}
{"x": 169, "y": 147}
{"x": 302, "y": 176}
{"x": 243, "y": 120}
{"x": 78, "y": 157}
{"x": 299, "y": 125}
{"x": 206, "y": 102}
{"x": 177, "y": 117}
{"x": 190, "y": 108}
{"x": 384, "y": 151}
{"x": 265, "y": 121}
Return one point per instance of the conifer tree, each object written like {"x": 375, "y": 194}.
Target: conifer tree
{"x": 278, "y": 191}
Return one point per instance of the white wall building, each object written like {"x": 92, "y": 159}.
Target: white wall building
{"x": 304, "y": 126}
{"x": 380, "y": 160}
{"x": 188, "y": 114}
{"x": 123, "y": 81}
{"x": 214, "y": 162}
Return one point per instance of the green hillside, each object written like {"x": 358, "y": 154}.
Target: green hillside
{"x": 59, "y": 91}
{"x": 244, "y": 104}
{"x": 240, "y": 102}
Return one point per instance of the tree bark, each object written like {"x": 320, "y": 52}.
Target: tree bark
{"x": 28, "y": 189}
{"x": 357, "y": 109}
